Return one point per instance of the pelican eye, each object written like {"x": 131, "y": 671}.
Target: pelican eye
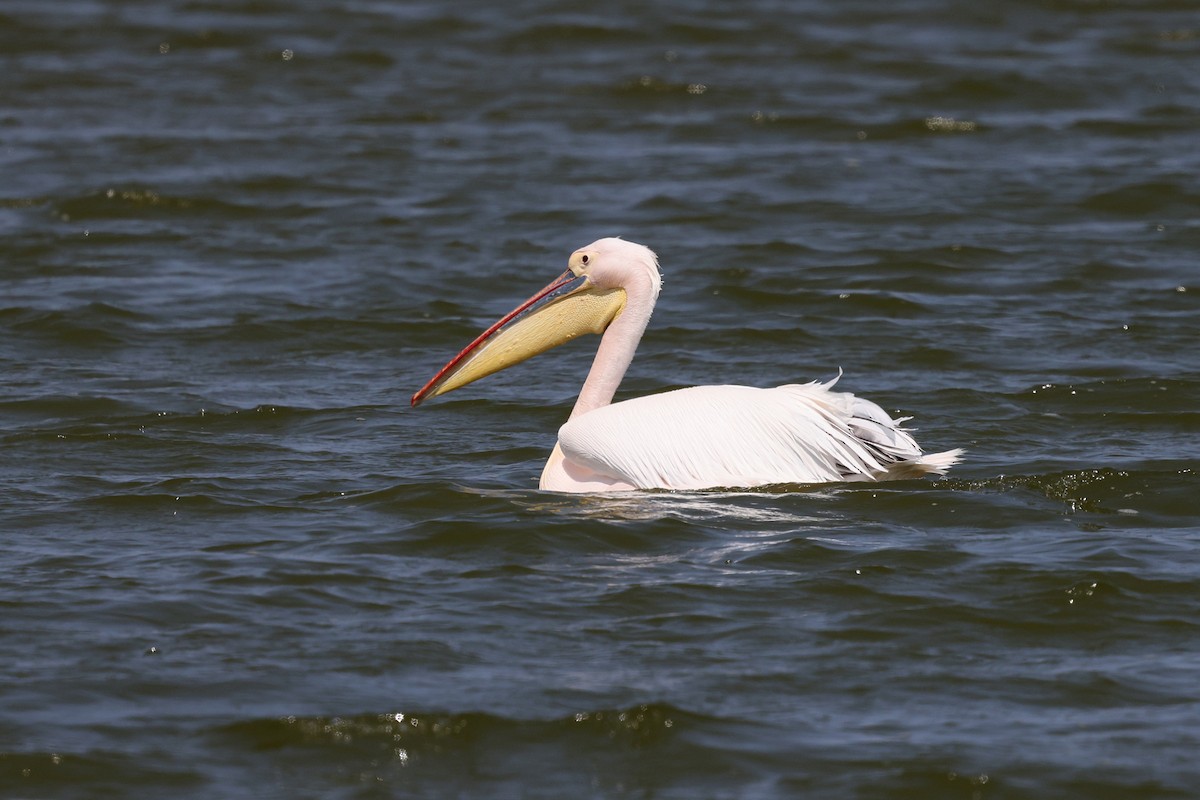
{"x": 581, "y": 263}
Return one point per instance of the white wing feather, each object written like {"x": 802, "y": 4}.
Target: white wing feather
{"x": 740, "y": 436}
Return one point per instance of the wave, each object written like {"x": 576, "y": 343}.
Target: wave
{"x": 138, "y": 202}
{"x": 416, "y": 731}
{"x": 93, "y": 774}
{"x": 91, "y": 325}
{"x": 1162, "y": 197}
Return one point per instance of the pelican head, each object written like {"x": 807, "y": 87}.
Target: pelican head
{"x": 586, "y": 298}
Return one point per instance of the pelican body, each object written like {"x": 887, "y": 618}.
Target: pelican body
{"x": 701, "y": 437}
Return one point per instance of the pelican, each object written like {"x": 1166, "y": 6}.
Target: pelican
{"x": 700, "y": 437}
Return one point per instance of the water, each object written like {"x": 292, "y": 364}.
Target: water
{"x": 235, "y": 238}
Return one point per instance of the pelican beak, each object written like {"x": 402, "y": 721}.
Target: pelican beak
{"x": 569, "y": 307}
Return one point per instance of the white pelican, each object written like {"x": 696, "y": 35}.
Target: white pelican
{"x": 696, "y": 438}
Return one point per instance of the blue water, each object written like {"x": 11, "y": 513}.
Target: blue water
{"x": 235, "y": 238}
